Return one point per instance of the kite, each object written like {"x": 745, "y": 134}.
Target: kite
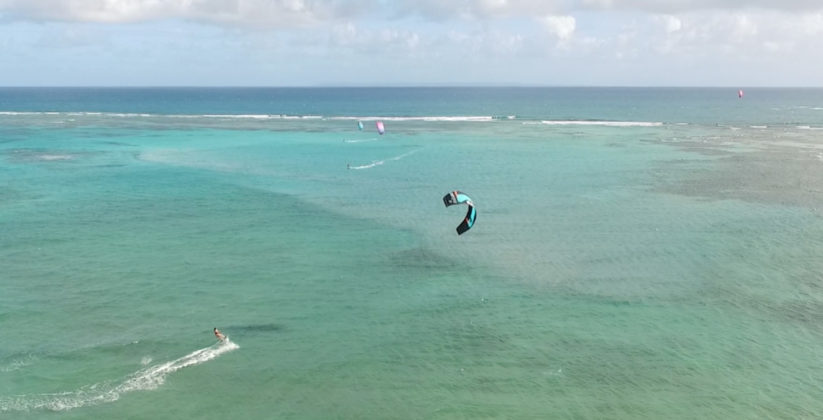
{"x": 457, "y": 197}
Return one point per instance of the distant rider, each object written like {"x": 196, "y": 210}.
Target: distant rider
{"x": 219, "y": 335}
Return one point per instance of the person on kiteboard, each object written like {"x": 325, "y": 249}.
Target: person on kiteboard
{"x": 219, "y": 335}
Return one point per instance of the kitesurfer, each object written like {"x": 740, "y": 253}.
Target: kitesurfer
{"x": 219, "y": 335}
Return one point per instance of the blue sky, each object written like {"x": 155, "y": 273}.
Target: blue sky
{"x": 408, "y": 42}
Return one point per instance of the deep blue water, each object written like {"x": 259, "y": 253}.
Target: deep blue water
{"x": 671, "y": 105}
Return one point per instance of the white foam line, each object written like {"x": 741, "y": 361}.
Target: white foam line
{"x": 433, "y": 118}
{"x": 54, "y": 157}
{"x": 240, "y": 116}
{"x": 604, "y": 123}
{"x": 302, "y": 117}
{"x": 468, "y": 118}
{"x": 144, "y": 379}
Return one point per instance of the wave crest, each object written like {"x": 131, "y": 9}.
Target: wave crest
{"x": 604, "y": 123}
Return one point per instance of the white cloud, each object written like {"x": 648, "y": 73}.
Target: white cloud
{"x": 397, "y": 40}
{"x": 479, "y": 9}
{"x": 812, "y": 24}
{"x": 290, "y": 13}
{"x": 732, "y": 37}
{"x": 561, "y": 27}
{"x": 772, "y": 46}
{"x": 504, "y": 43}
{"x": 266, "y": 13}
{"x": 678, "y": 6}
{"x": 744, "y": 27}
{"x": 345, "y": 34}
{"x": 271, "y": 13}
{"x": 670, "y": 23}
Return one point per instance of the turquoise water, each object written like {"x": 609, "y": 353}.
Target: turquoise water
{"x": 632, "y": 258}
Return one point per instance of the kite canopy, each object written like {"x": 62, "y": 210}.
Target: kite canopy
{"x": 457, "y": 197}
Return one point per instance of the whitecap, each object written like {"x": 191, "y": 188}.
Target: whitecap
{"x": 603, "y": 123}
{"x": 431, "y": 118}
{"x": 51, "y": 157}
{"x": 17, "y": 364}
{"x": 238, "y": 116}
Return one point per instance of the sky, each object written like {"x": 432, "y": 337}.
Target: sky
{"x": 411, "y": 42}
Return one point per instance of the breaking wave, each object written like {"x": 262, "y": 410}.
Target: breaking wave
{"x": 468, "y": 118}
{"x": 603, "y": 123}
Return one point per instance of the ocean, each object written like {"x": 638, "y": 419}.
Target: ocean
{"x": 638, "y": 253}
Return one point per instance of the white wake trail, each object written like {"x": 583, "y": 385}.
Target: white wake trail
{"x": 144, "y": 379}
{"x": 359, "y": 140}
{"x": 380, "y": 162}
